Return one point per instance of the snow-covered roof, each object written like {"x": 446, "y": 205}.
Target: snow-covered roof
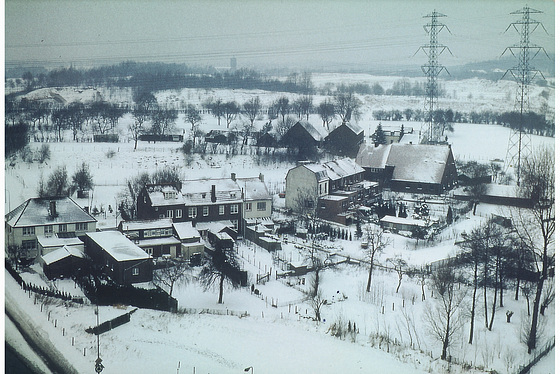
{"x": 319, "y": 170}
{"x": 415, "y": 163}
{"x": 169, "y": 240}
{"x": 352, "y": 126}
{"x": 334, "y": 197}
{"x": 404, "y": 221}
{"x": 342, "y": 168}
{"x": 317, "y": 133}
{"x": 214, "y": 227}
{"x": 418, "y": 163}
{"x": 198, "y": 192}
{"x": 146, "y": 224}
{"x": 254, "y": 188}
{"x": 61, "y": 253}
{"x": 409, "y": 139}
{"x": 164, "y": 195}
{"x": 185, "y": 230}
{"x": 118, "y": 246}
{"x": 36, "y": 212}
{"x": 53, "y": 241}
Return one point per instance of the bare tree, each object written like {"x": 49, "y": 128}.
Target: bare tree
{"x": 443, "y": 316}
{"x": 216, "y": 108}
{"x": 377, "y": 241}
{"x": 282, "y": 106}
{"x": 400, "y": 267}
{"x": 302, "y": 106}
{"x": 326, "y": 111}
{"x": 346, "y": 105}
{"x": 536, "y": 226}
{"x": 163, "y": 120}
{"x": 173, "y": 272}
{"x": 252, "y": 108}
{"x": 231, "y": 110}
{"x": 137, "y": 127}
{"x": 192, "y": 116}
{"x": 317, "y": 302}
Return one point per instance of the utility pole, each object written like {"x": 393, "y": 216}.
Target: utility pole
{"x": 519, "y": 145}
{"x": 432, "y": 69}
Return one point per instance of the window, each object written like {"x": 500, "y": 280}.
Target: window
{"x": 248, "y": 206}
{"x": 261, "y": 206}
{"x": 205, "y": 211}
{"x": 28, "y": 231}
{"x": 81, "y": 226}
{"x": 28, "y": 245}
{"x": 234, "y": 209}
{"x": 161, "y": 216}
{"x": 149, "y": 251}
{"x": 235, "y": 225}
{"x": 221, "y": 210}
{"x": 62, "y": 228}
{"x": 48, "y": 229}
{"x": 192, "y": 212}
{"x": 178, "y": 213}
{"x": 135, "y": 271}
{"x": 169, "y": 213}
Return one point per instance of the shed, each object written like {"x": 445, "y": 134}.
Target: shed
{"x": 63, "y": 262}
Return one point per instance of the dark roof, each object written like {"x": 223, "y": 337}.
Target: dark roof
{"x": 36, "y": 212}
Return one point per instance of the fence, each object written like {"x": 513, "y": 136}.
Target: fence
{"x": 40, "y": 290}
{"x": 111, "y": 324}
{"x": 547, "y": 348}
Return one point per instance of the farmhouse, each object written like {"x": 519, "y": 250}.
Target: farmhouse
{"x": 120, "y": 258}
{"x": 58, "y": 216}
{"x": 345, "y": 140}
{"x": 304, "y": 136}
{"x": 420, "y": 168}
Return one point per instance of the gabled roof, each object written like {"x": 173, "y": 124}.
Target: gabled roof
{"x": 118, "y": 246}
{"x": 317, "y": 133}
{"x": 198, "y": 192}
{"x": 62, "y": 253}
{"x": 342, "y": 168}
{"x": 319, "y": 171}
{"x": 411, "y": 162}
{"x": 254, "y": 188}
{"x": 351, "y": 126}
{"x": 35, "y": 212}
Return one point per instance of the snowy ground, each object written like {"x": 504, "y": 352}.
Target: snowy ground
{"x": 273, "y": 339}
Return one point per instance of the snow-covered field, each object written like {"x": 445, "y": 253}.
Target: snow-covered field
{"x": 276, "y": 339}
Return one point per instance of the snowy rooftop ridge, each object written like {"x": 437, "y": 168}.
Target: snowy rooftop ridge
{"x": 61, "y": 253}
{"x": 36, "y": 211}
{"x": 118, "y": 246}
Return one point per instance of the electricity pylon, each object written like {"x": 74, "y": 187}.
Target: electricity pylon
{"x": 519, "y": 145}
{"x": 432, "y": 69}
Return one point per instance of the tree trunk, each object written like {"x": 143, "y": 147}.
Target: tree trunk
{"x": 368, "y": 287}
{"x": 399, "y": 285}
{"x": 475, "y": 282}
{"x": 517, "y": 284}
{"x": 221, "y": 296}
{"x": 532, "y": 341}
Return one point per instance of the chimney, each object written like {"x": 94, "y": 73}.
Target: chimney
{"x": 213, "y": 193}
{"x": 52, "y": 208}
{"x": 233, "y": 177}
{"x": 261, "y": 177}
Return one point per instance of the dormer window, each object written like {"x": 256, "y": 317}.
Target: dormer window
{"x": 168, "y": 195}
{"x": 204, "y": 195}
{"x": 232, "y": 195}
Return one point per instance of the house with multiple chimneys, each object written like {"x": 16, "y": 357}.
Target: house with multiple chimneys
{"x": 40, "y": 218}
{"x": 226, "y": 200}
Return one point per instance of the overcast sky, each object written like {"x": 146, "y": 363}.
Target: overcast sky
{"x": 276, "y": 33}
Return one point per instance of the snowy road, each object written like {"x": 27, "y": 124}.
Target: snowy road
{"x": 35, "y": 336}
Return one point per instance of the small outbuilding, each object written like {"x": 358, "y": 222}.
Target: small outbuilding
{"x": 63, "y": 262}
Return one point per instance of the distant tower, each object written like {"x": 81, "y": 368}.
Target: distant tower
{"x": 233, "y": 63}
{"x": 519, "y": 145}
{"x": 432, "y": 69}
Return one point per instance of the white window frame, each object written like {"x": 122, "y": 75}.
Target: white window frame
{"x": 81, "y": 226}
{"x": 248, "y": 207}
{"x": 63, "y": 227}
{"x": 205, "y": 211}
{"x": 169, "y": 213}
{"x": 192, "y": 212}
{"x": 234, "y": 209}
{"x": 48, "y": 229}
{"x": 179, "y": 213}
{"x": 221, "y": 210}
{"x": 261, "y": 206}
{"x": 135, "y": 271}
{"x": 29, "y": 231}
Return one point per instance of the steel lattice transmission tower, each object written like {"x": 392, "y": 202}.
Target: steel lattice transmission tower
{"x": 432, "y": 70}
{"x": 519, "y": 145}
